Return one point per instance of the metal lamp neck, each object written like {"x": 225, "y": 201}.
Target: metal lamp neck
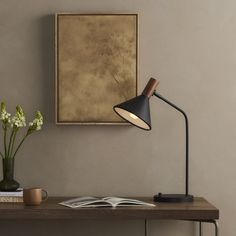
{"x": 186, "y": 137}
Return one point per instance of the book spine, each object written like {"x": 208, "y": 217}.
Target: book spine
{"x": 17, "y": 193}
{"x": 11, "y": 199}
{"x": 10, "y": 194}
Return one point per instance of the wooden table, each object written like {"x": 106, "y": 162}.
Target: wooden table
{"x": 200, "y": 210}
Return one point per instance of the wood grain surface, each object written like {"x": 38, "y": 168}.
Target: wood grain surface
{"x": 200, "y": 209}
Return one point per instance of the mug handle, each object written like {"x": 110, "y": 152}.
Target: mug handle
{"x": 46, "y": 195}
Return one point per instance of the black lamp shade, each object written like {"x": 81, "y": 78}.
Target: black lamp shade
{"x": 136, "y": 111}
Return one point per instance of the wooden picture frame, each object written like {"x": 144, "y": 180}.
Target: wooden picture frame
{"x": 96, "y": 66}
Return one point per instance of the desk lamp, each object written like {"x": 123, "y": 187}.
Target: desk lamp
{"x": 137, "y": 112}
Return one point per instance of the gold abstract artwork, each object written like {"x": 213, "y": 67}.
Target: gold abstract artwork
{"x": 96, "y": 66}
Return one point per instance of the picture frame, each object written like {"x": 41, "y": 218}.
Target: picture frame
{"x": 96, "y": 66}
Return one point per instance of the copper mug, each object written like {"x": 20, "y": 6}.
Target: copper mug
{"x": 34, "y": 196}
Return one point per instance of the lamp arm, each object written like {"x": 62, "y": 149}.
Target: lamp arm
{"x": 186, "y": 137}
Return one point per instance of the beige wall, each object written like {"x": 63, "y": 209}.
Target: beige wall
{"x": 190, "y": 46}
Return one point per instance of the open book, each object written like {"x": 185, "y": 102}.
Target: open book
{"x": 103, "y": 202}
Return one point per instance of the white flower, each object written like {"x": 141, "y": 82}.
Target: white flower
{"x": 4, "y": 115}
{"x": 37, "y": 123}
{"x": 18, "y": 120}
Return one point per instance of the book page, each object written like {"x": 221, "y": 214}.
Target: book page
{"x": 117, "y": 201}
{"x": 85, "y": 202}
{"x": 103, "y": 202}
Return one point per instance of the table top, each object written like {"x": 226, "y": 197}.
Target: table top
{"x": 199, "y": 209}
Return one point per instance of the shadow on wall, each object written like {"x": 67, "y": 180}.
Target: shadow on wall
{"x": 47, "y": 63}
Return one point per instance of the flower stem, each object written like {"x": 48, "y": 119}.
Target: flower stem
{"x": 10, "y": 142}
{"x": 20, "y": 145}
{"x": 1, "y": 155}
{"x": 13, "y": 143}
{"x": 5, "y": 140}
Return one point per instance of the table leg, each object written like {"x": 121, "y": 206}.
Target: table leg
{"x": 146, "y": 227}
{"x": 200, "y": 228}
{"x": 216, "y": 227}
{"x": 211, "y": 222}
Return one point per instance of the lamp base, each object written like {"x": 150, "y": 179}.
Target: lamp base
{"x": 172, "y": 198}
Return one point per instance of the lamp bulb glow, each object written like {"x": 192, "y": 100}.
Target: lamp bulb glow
{"x": 133, "y": 116}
